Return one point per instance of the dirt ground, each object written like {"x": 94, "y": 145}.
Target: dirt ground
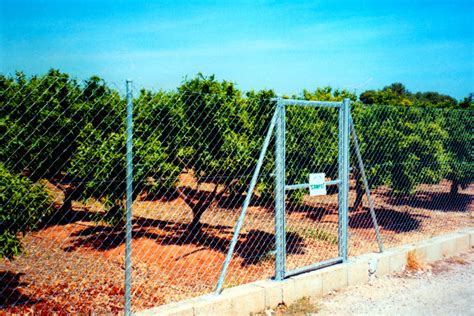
{"x": 440, "y": 288}
{"x": 443, "y": 288}
{"x": 75, "y": 264}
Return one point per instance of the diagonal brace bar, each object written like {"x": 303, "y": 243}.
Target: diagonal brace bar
{"x": 366, "y": 185}
{"x": 248, "y": 197}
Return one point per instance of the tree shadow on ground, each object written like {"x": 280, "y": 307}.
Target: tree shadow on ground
{"x": 166, "y": 196}
{"x": 9, "y": 290}
{"x": 387, "y": 219}
{"x": 63, "y": 217}
{"x": 434, "y": 201}
{"x": 259, "y": 244}
{"x": 252, "y": 246}
{"x": 226, "y": 200}
{"x": 315, "y": 213}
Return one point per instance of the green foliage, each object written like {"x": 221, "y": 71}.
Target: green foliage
{"x": 47, "y": 123}
{"x": 410, "y": 145}
{"x": 42, "y": 116}
{"x": 459, "y": 145}
{"x": 420, "y": 156}
{"x": 161, "y": 141}
{"x": 57, "y": 129}
{"x": 214, "y": 111}
{"x": 328, "y": 94}
{"x": 434, "y": 99}
{"x": 467, "y": 102}
{"x": 402, "y": 147}
{"x": 261, "y": 111}
{"x": 227, "y": 130}
{"x": 397, "y": 94}
{"x": 100, "y": 163}
{"x": 312, "y": 138}
{"x": 40, "y": 139}
{"x": 22, "y": 206}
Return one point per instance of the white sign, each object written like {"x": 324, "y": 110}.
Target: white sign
{"x": 317, "y": 184}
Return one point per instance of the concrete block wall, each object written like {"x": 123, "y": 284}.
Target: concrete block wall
{"x": 257, "y": 296}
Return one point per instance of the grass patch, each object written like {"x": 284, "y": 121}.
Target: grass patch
{"x": 233, "y": 282}
{"x": 413, "y": 262}
{"x": 458, "y": 260}
{"x": 317, "y": 233}
{"x": 302, "y": 307}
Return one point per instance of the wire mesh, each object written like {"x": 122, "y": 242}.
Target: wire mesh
{"x": 61, "y": 181}
{"x": 205, "y": 149}
{"x": 420, "y": 165}
{"x": 62, "y": 189}
{"x": 311, "y": 221}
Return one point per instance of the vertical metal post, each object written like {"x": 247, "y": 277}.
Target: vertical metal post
{"x": 366, "y": 185}
{"x": 343, "y": 162}
{"x": 129, "y": 198}
{"x": 280, "y": 231}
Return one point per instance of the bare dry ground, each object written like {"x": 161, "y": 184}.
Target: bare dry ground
{"x": 74, "y": 264}
{"x": 442, "y": 288}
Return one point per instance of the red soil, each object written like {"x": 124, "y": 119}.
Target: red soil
{"x": 78, "y": 266}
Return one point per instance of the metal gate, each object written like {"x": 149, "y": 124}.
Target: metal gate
{"x": 311, "y": 185}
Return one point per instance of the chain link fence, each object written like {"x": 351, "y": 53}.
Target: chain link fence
{"x": 195, "y": 150}
{"x": 420, "y": 166}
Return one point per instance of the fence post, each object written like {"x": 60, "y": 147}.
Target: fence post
{"x": 280, "y": 231}
{"x": 343, "y": 162}
{"x": 129, "y": 200}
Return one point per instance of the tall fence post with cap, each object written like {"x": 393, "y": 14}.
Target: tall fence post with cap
{"x": 343, "y": 162}
{"x": 129, "y": 200}
{"x": 280, "y": 231}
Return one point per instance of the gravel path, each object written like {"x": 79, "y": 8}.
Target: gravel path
{"x": 443, "y": 288}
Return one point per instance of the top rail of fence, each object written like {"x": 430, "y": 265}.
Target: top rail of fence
{"x": 328, "y": 104}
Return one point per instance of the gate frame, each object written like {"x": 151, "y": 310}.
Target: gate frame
{"x": 278, "y": 123}
{"x": 280, "y": 181}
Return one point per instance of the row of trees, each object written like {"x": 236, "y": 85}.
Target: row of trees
{"x": 73, "y": 135}
{"x": 423, "y": 142}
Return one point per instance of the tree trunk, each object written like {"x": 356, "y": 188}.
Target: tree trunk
{"x": 454, "y": 187}
{"x": 359, "y": 190}
{"x": 115, "y": 215}
{"x": 198, "y": 208}
{"x": 359, "y": 195}
{"x": 68, "y": 198}
{"x": 195, "y": 225}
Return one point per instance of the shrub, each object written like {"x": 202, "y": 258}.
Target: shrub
{"x": 402, "y": 146}
{"x": 37, "y": 125}
{"x": 161, "y": 142}
{"x": 100, "y": 164}
{"x": 22, "y": 206}
{"x": 459, "y": 124}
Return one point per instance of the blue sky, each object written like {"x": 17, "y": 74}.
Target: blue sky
{"x": 284, "y": 45}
